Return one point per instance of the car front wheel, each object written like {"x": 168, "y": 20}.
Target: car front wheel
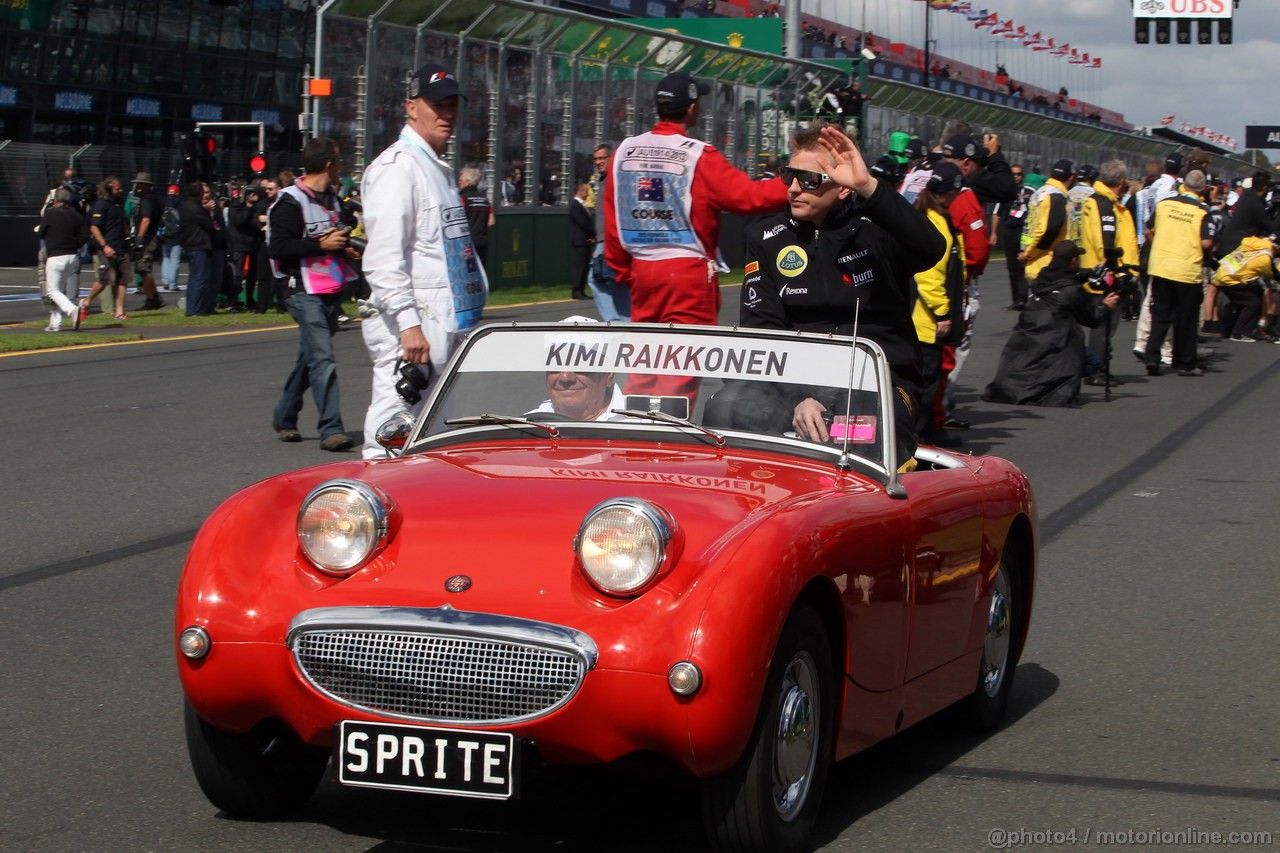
{"x": 261, "y": 774}
{"x": 769, "y": 801}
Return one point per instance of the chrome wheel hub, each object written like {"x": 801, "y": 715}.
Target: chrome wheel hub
{"x": 995, "y": 648}
{"x": 796, "y": 739}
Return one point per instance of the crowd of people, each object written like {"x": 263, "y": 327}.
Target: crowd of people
{"x": 219, "y": 230}
{"x": 901, "y": 245}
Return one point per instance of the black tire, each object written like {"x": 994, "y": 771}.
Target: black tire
{"x": 768, "y": 802}
{"x": 261, "y": 775}
{"x": 985, "y": 708}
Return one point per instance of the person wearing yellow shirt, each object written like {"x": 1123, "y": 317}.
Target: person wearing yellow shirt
{"x": 1105, "y": 223}
{"x": 939, "y": 310}
{"x": 1048, "y": 220}
{"x": 1181, "y": 234}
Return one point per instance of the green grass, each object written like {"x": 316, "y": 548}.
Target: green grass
{"x": 95, "y": 328}
{"x": 54, "y": 340}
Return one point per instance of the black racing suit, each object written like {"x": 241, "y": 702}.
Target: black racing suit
{"x": 865, "y": 253}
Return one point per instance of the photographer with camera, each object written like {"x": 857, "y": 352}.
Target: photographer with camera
{"x": 109, "y": 233}
{"x": 308, "y": 245}
{"x": 1106, "y": 224}
{"x": 1248, "y": 231}
{"x": 1045, "y": 359}
{"x": 244, "y": 239}
{"x": 144, "y": 208}
{"x": 427, "y": 284}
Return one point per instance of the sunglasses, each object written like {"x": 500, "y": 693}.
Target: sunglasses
{"x": 807, "y": 180}
{"x": 1017, "y": 174}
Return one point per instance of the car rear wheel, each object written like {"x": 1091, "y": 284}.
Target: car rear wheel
{"x": 985, "y": 708}
{"x": 769, "y": 801}
{"x": 260, "y": 774}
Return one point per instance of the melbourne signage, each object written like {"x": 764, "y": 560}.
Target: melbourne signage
{"x": 1262, "y": 136}
{"x": 73, "y": 101}
{"x": 1182, "y": 8}
{"x": 270, "y": 118}
{"x": 142, "y": 107}
{"x": 206, "y": 112}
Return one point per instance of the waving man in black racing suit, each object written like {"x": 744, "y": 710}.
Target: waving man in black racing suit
{"x": 847, "y": 238}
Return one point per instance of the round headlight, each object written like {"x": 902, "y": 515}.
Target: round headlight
{"x": 340, "y": 525}
{"x": 622, "y": 543}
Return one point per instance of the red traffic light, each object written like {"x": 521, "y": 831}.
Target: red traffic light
{"x": 210, "y": 144}
{"x": 258, "y": 163}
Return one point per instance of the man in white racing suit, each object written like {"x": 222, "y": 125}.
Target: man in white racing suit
{"x": 427, "y": 284}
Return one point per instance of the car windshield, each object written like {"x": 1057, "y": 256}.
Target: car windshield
{"x": 662, "y": 383}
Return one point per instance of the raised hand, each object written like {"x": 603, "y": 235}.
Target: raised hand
{"x": 844, "y": 163}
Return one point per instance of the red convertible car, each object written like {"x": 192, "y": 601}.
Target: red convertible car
{"x": 563, "y": 561}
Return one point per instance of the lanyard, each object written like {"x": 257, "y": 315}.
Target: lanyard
{"x": 407, "y": 135}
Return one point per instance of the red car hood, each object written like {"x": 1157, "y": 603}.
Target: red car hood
{"x": 505, "y": 517}
{"x": 508, "y": 516}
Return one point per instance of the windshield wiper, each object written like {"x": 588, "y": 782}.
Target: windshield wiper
{"x": 663, "y": 417}
{"x": 504, "y": 419}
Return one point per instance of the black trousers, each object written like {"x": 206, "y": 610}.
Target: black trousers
{"x": 930, "y": 378}
{"x": 1247, "y": 301}
{"x": 579, "y": 263}
{"x": 1010, "y": 242}
{"x": 1174, "y": 305}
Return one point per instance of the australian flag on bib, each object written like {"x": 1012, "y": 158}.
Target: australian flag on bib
{"x": 649, "y": 189}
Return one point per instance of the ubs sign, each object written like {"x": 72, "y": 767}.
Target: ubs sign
{"x": 1182, "y": 8}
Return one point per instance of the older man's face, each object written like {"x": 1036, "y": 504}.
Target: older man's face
{"x": 434, "y": 121}
{"x": 581, "y": 396}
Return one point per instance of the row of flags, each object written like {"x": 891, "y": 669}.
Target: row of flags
{"x": 1202, "y": 132}
{"x": 981, "y": 18}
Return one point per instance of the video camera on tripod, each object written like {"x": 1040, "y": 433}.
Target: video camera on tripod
{"x": 1111, "y": 276}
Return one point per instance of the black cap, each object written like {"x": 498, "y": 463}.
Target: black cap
{"x": 946, "y": 178}
{"x": 886, "y": 168}
{"x": 1062, "y": 170}
{"x": 433, "y": 82}
{"x": 963, "y": 146}
{"x": 1086, "y": 173}
{"x": 679, "y": 91}
{"x": 1173, "y": 163}
{"x": 1065, "y": 250}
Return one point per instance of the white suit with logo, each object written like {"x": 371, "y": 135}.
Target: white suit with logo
{"x": 421, "y": 267}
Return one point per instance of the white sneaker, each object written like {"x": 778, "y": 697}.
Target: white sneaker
{"x": 52, "y": 328}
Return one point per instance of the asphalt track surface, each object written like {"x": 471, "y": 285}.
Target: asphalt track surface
{"x": 1145, "y": 703}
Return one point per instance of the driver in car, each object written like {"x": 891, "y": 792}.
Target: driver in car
{"x": 583, "y": 396}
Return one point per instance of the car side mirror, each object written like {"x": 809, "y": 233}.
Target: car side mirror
{"x": 393, "y": 435}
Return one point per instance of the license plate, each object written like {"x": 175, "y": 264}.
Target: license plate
{"x": 455, "y": 762}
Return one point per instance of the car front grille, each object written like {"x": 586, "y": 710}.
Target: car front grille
{"x": 434, "y": 669}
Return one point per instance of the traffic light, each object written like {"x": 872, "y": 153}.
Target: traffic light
{"x": 1204, "y": 32}
{"x": 1162, "y": 30}
{"x": 1141, "y": 31}
{"x": 208, "y": 156}
{"x": 1184, "y": 31}
{"x": 258, "y": 164}
{"x": 1224, "y": 31}
{"x": 190, "y": 149}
